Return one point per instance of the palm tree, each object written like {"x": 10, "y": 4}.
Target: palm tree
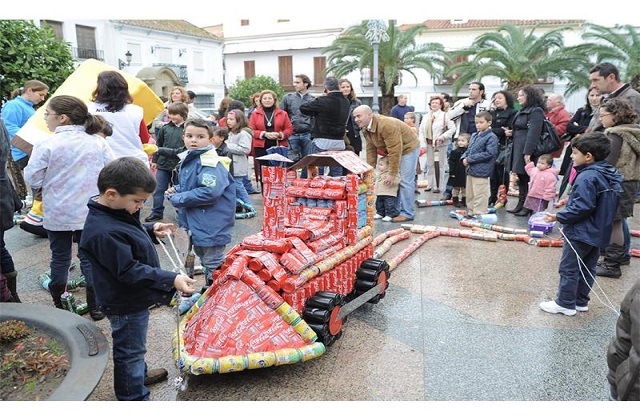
{"x": 619, "y": 45}
{"x": 517, "y": 58}
{"x": 352, "y": 51}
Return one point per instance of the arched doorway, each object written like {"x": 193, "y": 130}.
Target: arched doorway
{"x": 159, "y": 79}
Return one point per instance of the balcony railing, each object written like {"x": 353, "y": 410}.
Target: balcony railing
{"x": 179, "y": 69}
{"x": 84, "y": 53}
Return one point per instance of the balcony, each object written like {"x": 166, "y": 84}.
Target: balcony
{"x": 84, "y": 53}
{"x": 179, "y": 69}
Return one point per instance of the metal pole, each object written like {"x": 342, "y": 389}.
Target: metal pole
{"x": 376, "y": 33}
{"x": 374, "y": 100}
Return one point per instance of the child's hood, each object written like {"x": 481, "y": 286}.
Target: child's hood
{"x": 610, "y": 173}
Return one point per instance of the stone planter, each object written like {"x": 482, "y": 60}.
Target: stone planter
{"x": 88, "y": 347}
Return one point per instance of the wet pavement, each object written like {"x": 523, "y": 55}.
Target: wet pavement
{"x": 460, "y": 321}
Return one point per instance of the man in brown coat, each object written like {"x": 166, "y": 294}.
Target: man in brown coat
{"x": 398, "y": 141}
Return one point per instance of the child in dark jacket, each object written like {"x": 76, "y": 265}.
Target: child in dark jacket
{"x": 587, "y": 220}
{"x": 205, "y": 196}
{"x": 165, "y": 160}
{"x": 480, "y": 159}
{"x": 126, "y": 269}
{"x": 458, "y": 172}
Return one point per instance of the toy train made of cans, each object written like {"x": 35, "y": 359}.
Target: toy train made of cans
{"x": 283, "y": 294}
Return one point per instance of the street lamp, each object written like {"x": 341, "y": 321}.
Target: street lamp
{"x": 123, "y": 64}
{"x": 376, "y": 33}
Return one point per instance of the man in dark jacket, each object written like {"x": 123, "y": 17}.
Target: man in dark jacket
{"x": 330, "y": 112}
{"x": 623, "y": 355}
{"x": 300, "y": 140}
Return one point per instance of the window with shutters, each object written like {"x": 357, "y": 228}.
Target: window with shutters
{"x": 285, "y": 74}
{"x": 86, "y": 37}
{"x": 319, "y": 67}
{"x": 249, "y": 69}
{"x": 56, "y": 26}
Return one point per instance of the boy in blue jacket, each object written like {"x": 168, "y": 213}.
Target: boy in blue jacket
{"x": 205, "y": 196}
{"x": 586, "y": 221}
{"x": 126, "y": 270}
{"x": 480, "y": 159}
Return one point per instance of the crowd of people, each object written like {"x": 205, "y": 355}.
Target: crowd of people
{"x": 202, "y": 168}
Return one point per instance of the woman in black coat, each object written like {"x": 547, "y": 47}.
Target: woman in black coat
{"x": 526, "y": 134}
{"x": 579, "y": 124}
{"x": 503, "y": 113}
{"x": 353, "y": 131}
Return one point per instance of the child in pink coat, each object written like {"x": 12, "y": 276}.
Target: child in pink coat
{"x": 542, "y": 186}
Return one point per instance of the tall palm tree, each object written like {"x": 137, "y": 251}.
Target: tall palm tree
{"x": 352, "y": 51}
{"x": 517, "y": 58}
{"x": 619, "y": 45}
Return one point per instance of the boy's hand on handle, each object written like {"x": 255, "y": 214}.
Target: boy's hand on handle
{"x": 550, "y": 217}
{"x": 161, "y": 230}
{"x": 184, "y": 284}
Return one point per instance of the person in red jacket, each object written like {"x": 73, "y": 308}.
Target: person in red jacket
{"x": 271, "y": 127}
{"x": 558, "y": 116}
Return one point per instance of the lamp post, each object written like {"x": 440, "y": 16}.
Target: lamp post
{"x": 123, "y": 64}
{"x": 376, "y": 33}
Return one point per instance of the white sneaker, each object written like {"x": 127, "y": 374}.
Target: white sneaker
{"x": 582, "y": 308}
{"x": 386, "y": 218}
{"x": 377, "y": 217}
{"x": 553, "y": 308}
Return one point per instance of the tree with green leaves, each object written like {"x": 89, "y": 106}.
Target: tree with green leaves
{"x": 518, "y": 57}
{"x": 243, "y": 89}
{"x": 619, "y": 45}
{"x": 30, "y": 52}
{"x": 352, "y": 51}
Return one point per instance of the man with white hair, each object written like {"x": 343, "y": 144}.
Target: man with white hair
{"x": 391, "y": 137}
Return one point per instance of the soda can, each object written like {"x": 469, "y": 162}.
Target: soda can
{"x": 82, "y": 308}
{"x": 261, "y": 359}
{"x": 287, "y": 313}
{"x": 45, "y": 279}
{"x": 232, "y": 364}
{"x": 68, "y": 302}
{"x": 311, "y": 351}
{"x": 287, "y": 356}
{"x": 305, "y": 331}
{"x": 75, "y": 283}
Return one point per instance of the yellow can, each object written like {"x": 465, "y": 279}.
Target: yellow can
{"x": 311, "y": 351}
{"x": 305, "y": 331}
{"x": 261, "y": 359}
{"x": 232, "y": 364}
{"x": 287, "y": 356}
{"x": 287, "y": 313}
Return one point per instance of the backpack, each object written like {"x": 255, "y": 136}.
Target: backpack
{"x": 549, "y": 140}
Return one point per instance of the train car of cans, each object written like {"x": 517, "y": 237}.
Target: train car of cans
{"x": 282, "y": 294}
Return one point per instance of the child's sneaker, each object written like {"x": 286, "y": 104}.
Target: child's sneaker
{"x": 386, "y": 219}
{"x": 582, "y": 308}
{"x": 553, "y": 308}
{"x": 377, "y": 217}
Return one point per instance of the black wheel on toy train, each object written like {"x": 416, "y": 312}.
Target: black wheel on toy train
{"x": 321, "y": 313}
{"x": 372, "y": 272}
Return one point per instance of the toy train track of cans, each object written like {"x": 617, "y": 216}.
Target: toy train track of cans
{"x": 282, "y": 295}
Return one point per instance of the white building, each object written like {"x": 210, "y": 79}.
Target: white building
{"x": 162, "y": 53}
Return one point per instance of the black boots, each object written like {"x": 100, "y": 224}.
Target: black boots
{"x": 95, "y": 313}
{"x": 12, "y": 285}
{"x": 524, "y": 212}
{"x": 56, "y": 291}
{"x": 456, "y": 201}
{"x": 614, "y": 257}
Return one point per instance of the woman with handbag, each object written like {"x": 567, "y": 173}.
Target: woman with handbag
{"x": 526, "y": 134}
{"x": 503, "y": 113}
{"x": 271, "y": 127}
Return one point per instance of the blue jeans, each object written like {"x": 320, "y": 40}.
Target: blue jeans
{"x": 61, "y": 245}
{"x": 248, "y": 186}
{"x": 129, "y": 336}
{"x": 333, "y": 170}
{"x": 163, "y": 178}
{"x": 575, "y": 285}
{"x": 301, "y": 143}
{"x": 241, "y": 192}
{"x": 211, "y": 257}
{"x": 407, "y": 188}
